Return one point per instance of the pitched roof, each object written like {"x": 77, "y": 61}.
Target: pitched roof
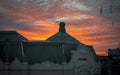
{"x": 10, "y": 44}
{"x": 11, "y": 36}
{"x": 62, "y": 36}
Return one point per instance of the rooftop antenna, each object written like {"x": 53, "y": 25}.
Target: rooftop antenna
{"x": 101, "y": 7}
{"x": 101, "y": 11}
{"x": 110, "y": 7}
{"x": 111, "y": 12}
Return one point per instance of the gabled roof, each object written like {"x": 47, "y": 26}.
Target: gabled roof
{"x": 11, "y": 36}
{"x": 62, "y": 36}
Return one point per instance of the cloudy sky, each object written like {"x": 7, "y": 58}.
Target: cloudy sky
{"x": 92, "y": 22}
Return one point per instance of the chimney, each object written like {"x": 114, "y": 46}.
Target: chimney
{"x": 62, "y": 27}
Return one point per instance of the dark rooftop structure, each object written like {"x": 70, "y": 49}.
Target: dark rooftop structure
{"x": 62, "y": 36}
{"x": 60, "y": 54}
{"x": 15, "y": 45}
{"x": 11, "y": 36}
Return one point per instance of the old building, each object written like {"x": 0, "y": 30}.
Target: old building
{"x": 60, "y": 54}
{"x": 114, "y": 59}
{"x": 104, "y": 65}
{"x": 110, "y": 65}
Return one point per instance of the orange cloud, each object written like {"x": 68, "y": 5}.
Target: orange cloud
{"x": 37, "y": 22}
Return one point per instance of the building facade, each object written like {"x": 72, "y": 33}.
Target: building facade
{"x": 60, "y": 54}
{"x": 110, "y": 65}
{"x": 114, "y": 59}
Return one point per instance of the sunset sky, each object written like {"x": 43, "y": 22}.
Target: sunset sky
{"x": 89, "y": 21}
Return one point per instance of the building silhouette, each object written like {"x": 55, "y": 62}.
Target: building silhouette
{"x": 114, "y": 61}
{"x": 110, "y": 65}
{"x": 60, "y": 54}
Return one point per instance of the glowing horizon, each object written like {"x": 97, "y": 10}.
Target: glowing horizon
{"x": 38, "y": 20}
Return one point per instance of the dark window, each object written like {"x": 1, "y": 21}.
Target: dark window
{"x": 83, "y": 59}
{"x": 73, "y": 48}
